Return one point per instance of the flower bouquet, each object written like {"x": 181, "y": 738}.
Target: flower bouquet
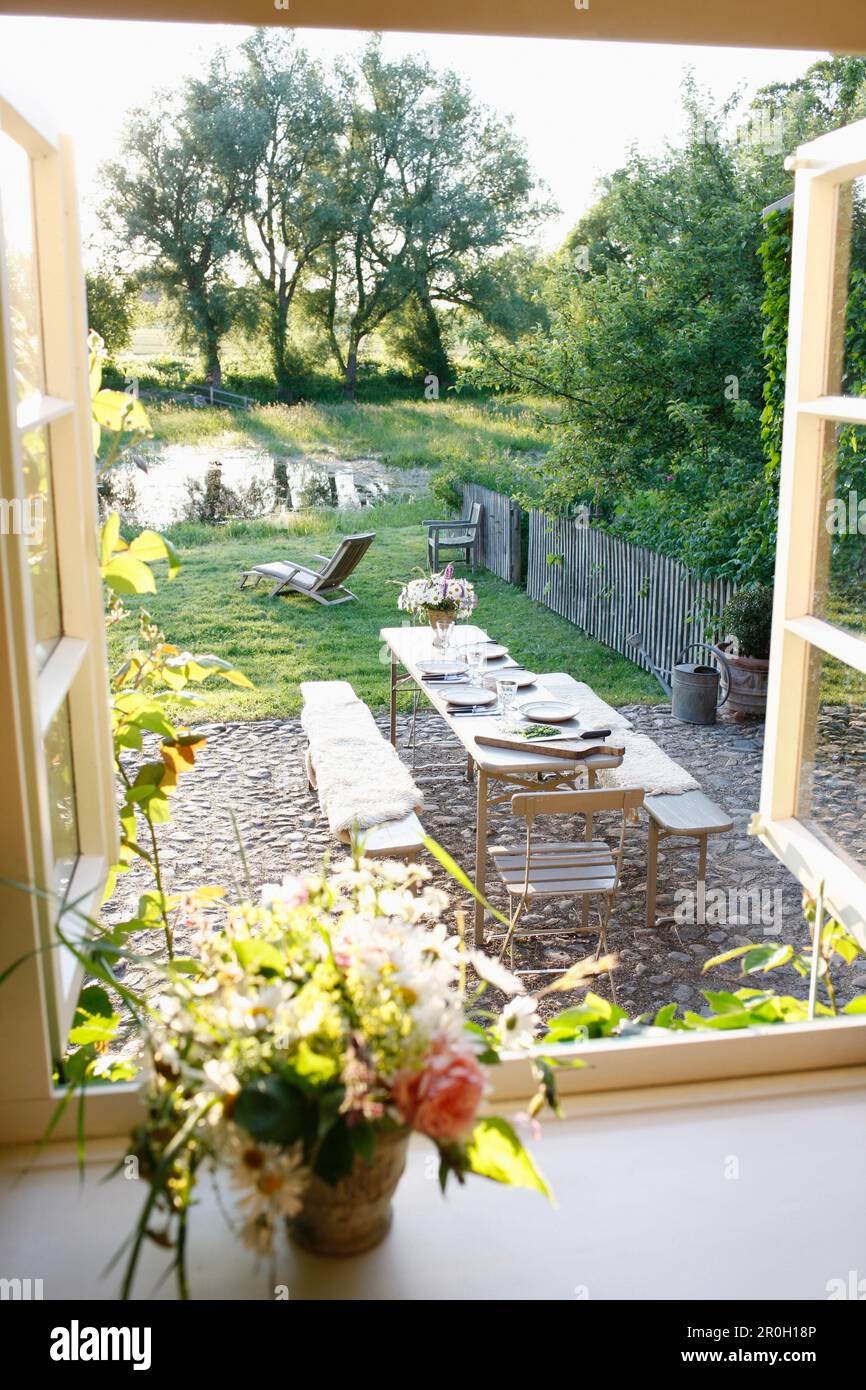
{"x": 317, "y": 1030}
{"x": 440, "y": 596}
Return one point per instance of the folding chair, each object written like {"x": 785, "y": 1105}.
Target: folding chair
{"x": 566, "y": 868}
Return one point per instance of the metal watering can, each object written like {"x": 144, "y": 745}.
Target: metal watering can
{"x": 695, "y": 689}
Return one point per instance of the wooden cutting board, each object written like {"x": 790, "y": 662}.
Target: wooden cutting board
{"x": 523, "y": 745}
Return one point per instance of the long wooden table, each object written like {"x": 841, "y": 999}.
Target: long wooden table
{"x": 516, "y": 770}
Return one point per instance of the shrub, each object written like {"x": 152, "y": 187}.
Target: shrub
{"x": 748, "y": 618}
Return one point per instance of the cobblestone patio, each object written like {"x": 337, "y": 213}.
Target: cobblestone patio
{"x": 256, "y": 771}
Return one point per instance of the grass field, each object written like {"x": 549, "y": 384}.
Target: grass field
{"x": 280, "y": 642}
{"x": 403, "y": 434}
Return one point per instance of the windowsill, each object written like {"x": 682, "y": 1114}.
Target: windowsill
{"x": 637, "y": 1198}
{"x": 620, "y": 1074}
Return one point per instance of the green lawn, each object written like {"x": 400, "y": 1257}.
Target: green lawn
{"x": 280, "y": 642}
{"x": 404, "y": 434}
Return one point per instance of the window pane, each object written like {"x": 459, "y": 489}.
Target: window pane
{"x": 840, "y": 587}
{"x": 16, "y": 211}
{"x": 37, "y": 522}
{"x": 832, "y": 797}
{"x": 61, "y": 797}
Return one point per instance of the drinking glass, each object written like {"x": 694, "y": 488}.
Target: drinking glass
{"x": 507, "y": 692}
{"x": 476, "y": 662}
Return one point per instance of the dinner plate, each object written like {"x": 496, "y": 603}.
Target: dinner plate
{"x": 520, "y": 677}
{"x": 442, "y": 668}
{"x": 471, "y": 695}
{"x": 494, "y": 651}
{"x": 548, "y": 711}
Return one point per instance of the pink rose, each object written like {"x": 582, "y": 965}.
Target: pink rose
{"x": 442, "y": 1099}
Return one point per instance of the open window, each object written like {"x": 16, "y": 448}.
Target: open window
{"x": 818, "y": 657}
{"x": 57, "y": 809}
{"x": 57, "y": 817}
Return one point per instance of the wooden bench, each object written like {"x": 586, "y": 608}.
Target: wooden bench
{"x": 396, "y": 839}
{"x": 689, "y": 816}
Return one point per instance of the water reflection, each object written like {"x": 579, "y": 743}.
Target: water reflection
{"x": 185, "y": 481}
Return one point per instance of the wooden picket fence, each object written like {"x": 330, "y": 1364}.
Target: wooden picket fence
{"x": 612, "y": 589}
{"x": 499, "y": 550}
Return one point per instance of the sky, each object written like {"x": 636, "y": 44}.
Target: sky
{"x": 578, "y": 105}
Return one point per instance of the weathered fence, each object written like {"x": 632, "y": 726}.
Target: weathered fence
{"x": 612, "y": 589}
{"x": 499, "y": 550}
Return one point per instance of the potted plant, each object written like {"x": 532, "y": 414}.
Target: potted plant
{"x": 747, "y": 622}
{"x": 440, "y": 597}
{"x": 312, "y": 1033}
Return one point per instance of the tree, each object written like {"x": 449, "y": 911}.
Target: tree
{"x": 111, "y": 300}
{"x": 274, "y": 125}
{"x": 654, "y": 347}
{"x": 173, "y": 207}
{"x": 429, "y": 187}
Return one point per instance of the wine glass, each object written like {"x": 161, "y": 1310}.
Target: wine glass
{"x": 442, "y": 635}
{"x": 507, "y": 692}
{"x": 476, "y": 662}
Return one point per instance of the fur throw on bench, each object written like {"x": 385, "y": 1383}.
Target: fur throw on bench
{"x": 358, "y": 775}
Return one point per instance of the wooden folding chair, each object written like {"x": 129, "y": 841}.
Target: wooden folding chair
{"x": 564, "y": 869}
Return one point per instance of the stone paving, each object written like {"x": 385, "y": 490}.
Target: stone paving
{"x": 256, "y": 771}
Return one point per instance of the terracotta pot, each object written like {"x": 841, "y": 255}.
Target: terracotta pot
{"x": 748, "y": 697}
{"x": 355, "y": 1214}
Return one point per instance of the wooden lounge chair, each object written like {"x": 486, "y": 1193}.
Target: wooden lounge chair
{"x": 455, "y": 535}
{"x": 323, "y": 584}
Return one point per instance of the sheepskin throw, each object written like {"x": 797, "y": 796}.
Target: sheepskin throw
{"x": 646, "y": 765}
{"x": 359, "y": 777}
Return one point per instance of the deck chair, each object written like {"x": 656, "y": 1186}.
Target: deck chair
{"x": 323, "y": 584}
{"x": 455, "y": 535}
{"x": 564, "y": 869}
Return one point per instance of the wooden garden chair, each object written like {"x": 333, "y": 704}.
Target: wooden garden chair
{"x": 564, "y": 869}
{"x": 454, "y": 535}
{"x": 323, "y": 584}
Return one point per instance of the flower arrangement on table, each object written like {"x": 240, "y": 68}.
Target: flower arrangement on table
{"x": 438, "y": 593}
{"x": 316, "y": 1031}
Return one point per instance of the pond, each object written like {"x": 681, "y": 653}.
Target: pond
{"x": 177, "y": 482}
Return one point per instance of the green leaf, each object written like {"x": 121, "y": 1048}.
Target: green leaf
{"x": 93, "y": 1000}
{"x": 116, "y": 411}
{"x": 336, "y": 1154}
{"x": 313, "y": 1066}
{"x": 856, "y": 1006}
{"x": 494, "y": 1151}
{"x": 260, "y": 956}
{"x": 126, "y": 575}
{"x": 726, "y": 956}
{"x": 766, "y": 958}
{"x": 665, "y": 1016}
{"x": 109, "y": 538}
{"x": 274, "y": 1112}
{"x": 149, "y": 546}
{"x": 94, "y": 1029}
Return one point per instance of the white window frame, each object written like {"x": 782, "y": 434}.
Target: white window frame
{"x": 625, "y": 1073}
{"x": 38, "y": 1001}
{"x": 819, "y": 263}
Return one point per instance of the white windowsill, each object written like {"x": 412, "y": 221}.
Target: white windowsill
{"x": 647, "y": 1207}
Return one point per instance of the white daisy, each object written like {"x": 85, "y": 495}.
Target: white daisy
{"x": 494, "y": 973}
{"x": 517, "y": 1022}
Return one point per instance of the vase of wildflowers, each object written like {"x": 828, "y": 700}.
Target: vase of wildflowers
{"x": 440, "y": 597}
{"x": 309, "y": 1037}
